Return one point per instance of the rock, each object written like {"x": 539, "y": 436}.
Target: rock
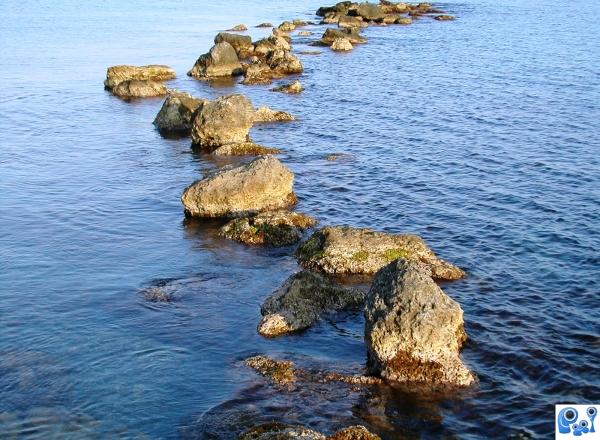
{"x": 401, "y": 7}
{"x": 413, "y": 330}
{"x": 340, "y": 8}
{"x": 299, "y": 23}
{"x": 165, "y": 290}
{"x": 227, "y": 120}
{"x": 283, "y": 62}
{"x": 391, "y": 18}
{"x": 345, "y": 250}
{"x": 347, "y": 21}
{"x": 282, "y": 34}
{"x": 264, "y": 25}
{"x": 305, "y": 33}
{"x": 239, "y": 28}
{"x": 242, "y": 44}
{"x": 221, "y": 61}
{"x": 339, "y": 157}
{"x": 444, "y": 17}
{"x": 351, "y": 34}
{"x": 404, "y": 20}
{"x": 286, "y": 26}
{"x": 280, "y": 372}
{"x": 244, "y": 149}
{"x": 293, "y": 88}
{"x": 301, "y": 302}
{"x": 310, "y": 52}
{"x": 357, "y": 432}
{"x": 280, "y": 431}
{"x": 369, "y": 12}
{"x": 261, "y": 185}
{"x": 332, "y": 18}
{"x": 155, "y": 72}
{"x": 258, "y": 73}
{"x": 177, "y": 113}
{"x": 341, "y": 44}
{"x": 265, "y": 114}
{"x": 139, "y": 89}
{"x": 272, "y": 228}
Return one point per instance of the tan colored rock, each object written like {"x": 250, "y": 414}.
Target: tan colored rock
{"x": 444, "y": 17}
{"x": 370, "y": 12}
{"x": 413, "y": 330}
{"x": 266, "y": 45}
{"x": 280, "y": 372}
{"x": 341, "y": 44}
{"x": 266, "y": 114}
{"x": 404, "y": 20}
{"x": 264, "y": 25}
{"x": 177, "y": 113}
{"x": 280, "y": 431}
{"x": 351, "y": 34}
{"x": 345, "y": 250}
{"x": 239, "y": 28}
{"x": 221, "y": 61}
{"x": 293, "y": 88}
{"x": 357, "y": 432}
{"x": 286, "y": 26}
{"x": 284, "y": 62}
{"x": 244, "y": 149}
{"x": 261, "y": 185}
{"x": 242, "y": 44}
{"x": 347, "y": 21}
{"x": 155, "y": 72}
{"x": 139, "y": 89}
{"x": 258, "y": 73}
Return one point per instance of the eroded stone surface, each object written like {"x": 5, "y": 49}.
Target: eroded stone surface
{"x": 177, "y": 112}
{"x": 221, "y": 61}
{"x": 266, "y": 114}
{"x": 139, "y": 89}
{"x": 293, "y": 88}
{"x": 155, "y": 72}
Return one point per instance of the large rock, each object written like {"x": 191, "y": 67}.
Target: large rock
{"x": 261, "y": 185}
{"x": 347, "y": 21}
{"x": 351, "y": 34}
{"x": 369, "y": 12}
{"x": 284, "y": 62}
{"x": 266, "y": 45}
{"x": 221, "y": 61}
{"x": 301, "y": 302}
{"x": 155, "y": 72}
{"x": 177, "y": 113}
{"x": 273, "y": 228}
{"x": 241, "y": 43}
{"x": 227, "y": 120}
{"x": 139, "y": 89}
{"x": 413, "y": 330}
{"x": 258, "y": 73}
{"x": 345, "y": 250}
{"x": 340, "y": 8}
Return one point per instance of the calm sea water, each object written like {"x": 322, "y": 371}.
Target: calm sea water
{"x": 482, "y": 135}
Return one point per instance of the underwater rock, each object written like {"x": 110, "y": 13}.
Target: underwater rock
{"x": 244, "y": 149}
{"x": 155, "y": 72}
{"x": 443, "y": 17}
{"x": 221, "y": 61}
{"x": 346, "y": 250}
{"x": 413, "y": 330}
{"x": 177, "y": 112}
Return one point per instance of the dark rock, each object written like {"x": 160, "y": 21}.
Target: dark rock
{"x": 351, "y": 34}
{"x": 221, "y": 61}
{"x": 177, "y": 113}
{"x": 241, "y": 43}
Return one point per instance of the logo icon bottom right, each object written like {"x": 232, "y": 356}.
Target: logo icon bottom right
{"x": 573, "y": 421}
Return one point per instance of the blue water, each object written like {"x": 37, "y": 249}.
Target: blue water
{"x": 481, "y": 135}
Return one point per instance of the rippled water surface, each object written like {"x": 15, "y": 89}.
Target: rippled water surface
{"x": 481, "y": 134}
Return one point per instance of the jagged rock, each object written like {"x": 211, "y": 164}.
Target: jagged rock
{"x": 177, "y": 113}
{"x": 242, "y": 44}
{"x": 227, "y": 120}
{"x": 413, "y": 330}
{"x": 264, "y": 25}
{"x": 258, "y": 73}
{"x": 293, "y": 88}
{"x": 346, "y": 21}
{"x": 244, "y": 149}
{"x": 280, "y": 372}
{"x": 282, "y": 34}
{"x": 271, "y": 228}
{"x": 239, "y": 28}
{"x": 284, "y": 62}
{"x": 341, "y": 44}
{"x": 266, "y": 114}
{"x": 340, "y": 8}
{"x": 267, "y": 45}
{"x": 357, "y": 432}
{"x": 155, "y": 72}
{"x": 139, "y": 89}
{"x": 286, "y": 26}
{"x": 221, "y": 61}
{"x": 345, "y": 250}
{"x": 369, "y": 12}
{"x": 280, "y": 431}
{"x": 261, "y": 185}
{"x": 301, "y": 302}
{"x": 351, "y": 34}
{"x": 444, "y": 17}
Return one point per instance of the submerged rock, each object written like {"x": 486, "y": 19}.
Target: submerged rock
{"x": 444, "y": 17}
{"x": 351, "y": 34}
{"x": 242, "y": 44}
{"x": 345, "y": 250}
{"x": 413, "y": 330}
{"x": 221, "y": 61}
{"x": 341, "y": 44}
{"x": 227, "y": 120}
{"x": 301, "y": 302}
{"x": 155, "y": 72}
{"x": 239, "y": 28}
{"x": 266, "y": 114}
{"x": 280, "y": 431}
{"x": 261, "y": 185}
{"x": 280, "y": 372}
{"x": 177, "y": 112}
{"x": 305, "y": 33}
{"x": 139, "y": 89}
{"x": 264, "y": 25}
{"x": 293, "y": 88}
{"x": 244, "y": 149}
{"x": 272, "y": 228}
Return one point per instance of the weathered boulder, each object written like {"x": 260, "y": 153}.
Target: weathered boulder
{"x": 340, "y": 8}
{"x": 444, "y": 17}
{"x": 239, "y": 28}
{"x": 345, "y": 250}
{"x": 258, "y": 73}
{"x": 139, "y": 89}
{"x": 286, "y": 26}
{"x": 347, "y": 21}
{"x": 261, "y": 185}
{"x": 351, "y": 34}
{"x": 266, "y": 45}
{"x": 357, "y": 432}
{"x": 221, "y": 61}
{"x": 341, "y": 44}
{"x": 293, "y": 88}
{"x": 284, "y": 62}
{"x": 368, "y": 11}
{"x": 155, "y": 72}
{"x": 266, "y": 114}
{"x": 227, "y": 120}
{"x": 301, "y": 302}
{"x": 244, "y": 149}
{"x": 280, "y": 431}
{"x": 404, "y": 20}
{"x": 413, "y": 330}
{"x": 177, "y": 113}
{"x": 242, "y": 44}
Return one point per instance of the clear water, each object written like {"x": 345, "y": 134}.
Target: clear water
{"x": 482, "y": 135}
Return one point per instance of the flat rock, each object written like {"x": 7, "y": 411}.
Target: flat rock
{"x": 266, "y": 114}
{"x": 413, "y": 330}
{"x": 155, "y": 72}
{"x": 280, "y": 372}
{"x": 444, "y": 17}
{"x": 242, "y": 44}
{"x": 261, "y": 185}
{"x": 221, "y": 61}
{"x": 177, "y": 112}
{"x": 244, "y": 149}
{"x": 302, "y": 300}
{"x": 139, "y": 89}
{"x": 345, "y": 250}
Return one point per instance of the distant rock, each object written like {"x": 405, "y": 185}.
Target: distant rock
{"x": 242, "y": 44}
{"x": 221, "y": 61}
{"x": 293, "y": 88}
{"x": 345, "y": 250}
{"x": 346, "y": 21}
{"x": 341, "y": 44}
{"x": 444, "y": 17}
{"x": 351, "y": 34}
{"x": 239, "y": 28}
{"x": 139, "y": 89}
{"x": 413, "y": 330}
{"x": 404, "y": 20}
{"x": 266, "y": 114}
{"x": 305, "y": 33}
{"x": 264, "y": 25}
{"x": 244, "y": 149}
{"x": 369, "y": 12}
{"x": 301, "y": 302}
{"x": 155, "y": 72}
{"x": 177, "y": 113}
{"x": 286, "y": 26}
{"x": 261, "y": 185}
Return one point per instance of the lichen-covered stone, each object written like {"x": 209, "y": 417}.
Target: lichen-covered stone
{"x": 302, "y": 300}
{"x": 221, "y": 61}
{"x": 177, "y": 112}
{"x": 266, "y": 114}
{"x": 261, "y": 185}
{"x": 280, "y": 372}
{"x": 293, "y": 88}
{"x": 155, "y": 72}
{"x": 413, "y": 330}
{"x": 345, "y": 250}
{"x": 341, "y": 44}
{"x": 242, "y": 44}
{"x": 139, "y": 89}
{"x": 244, "y": 149}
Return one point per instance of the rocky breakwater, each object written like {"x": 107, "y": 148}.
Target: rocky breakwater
{"x": 128, "y": 82}
{"x": 413, "y": 330}
{"x": 261, "y": 185}
{"x": 343, "y": 250}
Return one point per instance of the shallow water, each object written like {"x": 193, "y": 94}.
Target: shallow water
{"x": 481, "y": 135}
